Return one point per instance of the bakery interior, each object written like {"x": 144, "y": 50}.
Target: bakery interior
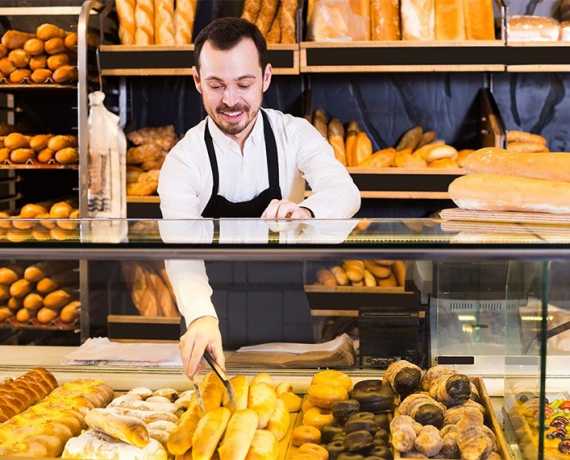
{"x": 378, "y": 337}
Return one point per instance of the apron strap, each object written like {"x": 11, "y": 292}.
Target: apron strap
{"x": 272, "y": 157}
{"x": 213, "y": 161}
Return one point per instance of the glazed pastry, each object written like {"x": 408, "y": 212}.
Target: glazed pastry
{"x": 449, "y": 448}
{"x": 342, "y": 410}
{"x": 317, "y": 417}
{"x": 473, "y": 441}
{"x": 434, "y": 373}
{"x": 451, "y": 389}
{"x": 335, "y": 448}
{"x": 361, "y": 421}
{"x": 359, "y": 441}
{"x": 209, "y": 431}
{"x": 239, "y": 435}
{"x": 404, "y": 377}
{"x": 263, "y": 400}
{"x": 350, "y": 456}
{"x": 374, "y": 396}
{"x": 332, "y": 377}
{"x": 429, "y": 441}
{"x": 303, "y": 434}
{"x": 403, "y": 433}
{"x": 382, "y": 420}
{"x": 423, "y": 409}
{"x": 324, "y": 396}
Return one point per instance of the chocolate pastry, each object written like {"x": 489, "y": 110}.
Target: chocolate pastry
{"x": 361, "y": 421}
{"x": 374, "y": 457}
{"x": 381, "y": 451}
{"x": 328, "y": 433}
{"x": 347, "y": 456}
{"x": 335, "y": 448}
{"x": 374, "y": 396}
{"x": 404, "y": 377}
{"x": 339, "y": 437}
{"x": 382, "y": 420}
{"x": 359, "y": 441}
{"x": 342, "y": 410}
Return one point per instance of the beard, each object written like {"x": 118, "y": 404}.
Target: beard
{"x": 233, "y": 120}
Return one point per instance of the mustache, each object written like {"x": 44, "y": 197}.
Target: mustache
{"x": 234, "y": 108}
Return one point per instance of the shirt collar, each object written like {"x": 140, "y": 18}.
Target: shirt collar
{"x": 220, "y": 138}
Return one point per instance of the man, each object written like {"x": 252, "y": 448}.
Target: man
{"x": 241, "y": 161}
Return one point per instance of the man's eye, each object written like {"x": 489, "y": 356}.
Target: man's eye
{"x": 215, "y": 86}
{"x": 244, "y": 85}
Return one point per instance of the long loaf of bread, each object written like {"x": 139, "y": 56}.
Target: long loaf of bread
{"x": 184, "y": 21}
{"x": 144, "y": 20}
{"x": 385, "y": 19}
{"x": 266, "y": 16}
{"x": 449, "y": 20}
{"x": 251, "y": 10}
{"x": 239, "y": 435}
{"x": 127, "y": 27}
{"x": 479, "y": 20}
{"x": 418, "y": 19}
{"x": 287, "y": 21}
{"x": 164, "y": 22}
{"x": 494, "y": 192}
{"x": 209, "y": 431}
{"x": 548, "y": 166}
{"x": 125, "y": 428}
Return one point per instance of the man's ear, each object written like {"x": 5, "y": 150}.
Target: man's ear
{"x": 197, "y": 81}
{"x": 267, "y": 77}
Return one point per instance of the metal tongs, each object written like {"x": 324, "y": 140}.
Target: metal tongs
{"x": 221, "y": 373}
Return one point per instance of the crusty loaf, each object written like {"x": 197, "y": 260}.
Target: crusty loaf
{"x": 184, "y": 21}
{"x": 164, "y": 22}
{"x": 385, "y": 19}
{"x": 274, "y": 34}
{"x": 449, "y": 20}
{"x": 127, "y": 27}
{"x": 239, "y": 435}
{"x": 548, "y": 166}
{"x": 266, "y": 16}
{"x": 532, "y": 28}
{"x": 479, "y": 20}
{"x": 287, "y": 21}
{"x": 144, "y": 20}
{"x": 251, "y": 10}
{"x": 208, "y": 433}
{"x": 418, "y": 19}
{"x": 494, "y": 192}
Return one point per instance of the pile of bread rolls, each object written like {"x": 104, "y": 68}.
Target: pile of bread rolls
{"x": 42, "y": 148}
{"x": 43, "y": 429}
{"x": 144, "y": 160}
{"x": 156, "y": 22}
{"x": 39, "y": 294}
{"x": 501, "y": 180}
{"x": 417, "y": 149}
{"x": 51, "y": 221}
{"x": 150, "y": 289}
{"x": 48, "y": 56}
{"x": 539, "y": 28}
{"x": 523, "y": 142}
{"x": 364, "y": 273}
{"x": 400, "y": 20}
{"x": 274, "y": 18}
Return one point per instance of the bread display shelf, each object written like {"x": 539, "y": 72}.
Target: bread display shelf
{"x": 35, "y": 86}
{"x": 37, "y": 165}
{"x": 403, "y": 56}
{"x": 56, "y": 325}
{"x": 136, "y": 327}
{"x": 144, "y": 199}
{"x": 156, "y": 60}
{"x": 353, "y": 290}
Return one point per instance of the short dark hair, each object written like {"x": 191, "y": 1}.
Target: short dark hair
{"x": 225, "y": 33}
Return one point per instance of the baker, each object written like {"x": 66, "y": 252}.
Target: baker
{"x": 241, "y": 161}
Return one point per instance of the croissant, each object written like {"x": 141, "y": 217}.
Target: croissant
{"x": 473, "y": 441}
{"x": 423, "y": 409}
{"x": 404, "y": 377}
{"x": 454, "y": 414}
{"x": 451, "y": 389}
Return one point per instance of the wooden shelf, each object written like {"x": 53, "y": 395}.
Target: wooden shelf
{"x": 35, "y": 86}
{"x": 402, "y": 171}
{"x": 156, "y": 60}
{"x": 144, "y": 199}
{"x": 538, "y": 56}
{"x": 11, "y": 323}
{"x": 403, "y": 56}
{"x": 132, "y": 319}
{"x": 316, "y": 288}
{"x": 36, "y": 165}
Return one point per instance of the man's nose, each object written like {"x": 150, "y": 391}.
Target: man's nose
{"x": 230, "y": 97}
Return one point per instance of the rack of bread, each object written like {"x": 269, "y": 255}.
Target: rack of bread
{"x": 47, "y": 56}
{"x": 41, "y": 222}
{"x": 41, "y": 295}
{"x": 38, "y": 151}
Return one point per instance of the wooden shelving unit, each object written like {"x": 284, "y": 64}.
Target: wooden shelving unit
{"x": 36, "y": 165}
{"x": 538, "y": 56}
{"x": 36, "y": 86}
{"x": 144, "y": 199}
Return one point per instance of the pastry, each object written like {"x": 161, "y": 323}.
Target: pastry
{"x": 292, "y": 401}
{"x": 263, "y": 400}
{"x": 239, "y": 435}
{"x": 332, "y": 377}
{"x": 423, "y": 409}
{"x": 373, "y": 396}
{"x": 209, "y": 431}
{"x": 280, "y": 420}
{"x": 263, "y": 446}
{"x": 359, "y": 441}
{"x": 328, "y": 432}
{"x": 404, "y": 377}
{"x": 343, "y": 410}
{"x": 403, "y": 433}
{"x": 128, "y": 429}
{"x": 317, "y": 417}
{"x": 324, "y": 396}
{"x": 316, "y": 452}
{"x": 451, "y": 389}
{"x": 303, "y": 434}
{"x": 361, "y": 421}
{"x": 429, "y": 441}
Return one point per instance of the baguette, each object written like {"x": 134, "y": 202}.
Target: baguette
{"x": 164, "y": 22}
{"x": 239, "y": 435}
{"x": 209, "y": 431}
{"x": 266, "y": 16}
{"x": 548, "y": 166}
{"x": 127, "y": 429}
{"x": 184, "y": 21}
{"x": 363, "y": 149}
{"x": 180, "y": 440}
{"x": 494, "y": 192}
{"x": 279, "y": 421}
{"x": 274, "y": 34}
{"x": 410, "y": 139}
{"x": 336, "y": 139}
{"x": 127, "y": 27}
{"x": 369, "y": 279}
{"x": 263, "y": 400}
{"x": 449, "y": 20}
{"x": 418, "y": 19}
{"x": 287, "y": 21}
{"x": 479, "y": 20}
{"x": 340, "y": 275}
{"x": 380, "y": 159}
{"x": 251, "y": 10}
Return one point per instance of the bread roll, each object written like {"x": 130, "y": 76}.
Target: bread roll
{"x": 24, "y": 315}
{"x": 239, "y": 435}
{"x": 526, "y": 147}
{"x": 65, "y": 74}
{"x": 144, "y": 20}
{"x": 263, "y": 377}
{"x": 21, "y": 155}
{"x": 292, "y": 401}
{"x": 449, "y": 20}
{"x": 39, "y": 142}
{"x": 34, "y": 47}
{"x": 379, "y": 271}
{"x": 266, "y": 16}
{"x": 388, "y": 282}
{"x": 263, "y": 446}
{"x": 380, "y": 159}
{"x": 263, "y": 400}
{"x": 279, "y": 421}
{"x": 45, "y": 156}
{"x": 33, "y": 301}
{"x": 57, "y": 299}
{"x": 67, "y": 156}
{"x": 404, "y": 159}
{"x": 16, "y": 141}
{"x": 209, "y": 431}
{"x": 126, "y": 14}
{"x": 385, "y": 19}
{"x": 70, "y": 40}
{"x": 20, "y": 288}
{"x": 6, "y": 67}
{"x": 41, "y": 75}
{"x": 4, "y": 293}
{"x": 369, "y": 279}
{"x": 14, "y": 39}
{"x": 522, "y": 136}
{"x": 164, "y": 22}
{"x": 363, "y": 149}
{"x": 38, "y": 62}
{"x": 184, "y": 21}
{"x": 326, "y": 278}
{"x": 127, "y": 429}
{"x": 418, "y": 19}
{"x": 354, "y": 272}
{"x": 4, "y": 154}
{"x": 548, "y": 166}
{"x": 479, "y": 20}
{"x": 5, "y": 313}
{"x": 443, "y": 163}
{"x": 440, "y": 151}
{"x": 14, "y": 303}
{"x": 335, "y": 136}
{"x": 60, "y": 210}
{"x": 70, "y": 312}
{"x": 240, "y": 386}
{"x": 180, "y": 440}
{"x": 46, "y": 315}
{"x": 490, "y": 192}
{"x": 48, "y": 31}
{"x": 55, "y": 61}
{"x": 340, "y": 278}
{"x": 54, "y": 46}
{"x": 532, "y": 28}
{"x": 399, "y": 270}
{"x": 3, "y": 51}
{"x": 9, "y": 275}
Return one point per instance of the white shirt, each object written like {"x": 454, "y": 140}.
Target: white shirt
{"x": 185, "y": 186}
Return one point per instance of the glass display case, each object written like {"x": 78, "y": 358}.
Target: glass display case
{"x": 102, "y": 299}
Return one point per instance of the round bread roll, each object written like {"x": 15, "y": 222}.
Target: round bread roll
{"x": 439, "y": 152}
{"x": 48, "y": 31}
{"x": 31, "y": 211}
{"x": 41, "y": 75}
{"x": 34, "y": 46}
{"x": 61, "y": 210}
{"x": 56, "y": 61}
{"x": 19, "y": 58}
{"x": 6, "y": 66}
{"x": 54, "y": 46}
{"x": 64, "y": 74}
{"x": 38, "y": 62}
{"x": 16, "y": 141}
{"x": 20, "y": 76}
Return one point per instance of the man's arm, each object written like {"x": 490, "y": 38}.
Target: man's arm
{"x": 334, "y": 194}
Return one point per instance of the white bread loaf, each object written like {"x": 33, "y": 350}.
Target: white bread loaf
{"x": 418, "y": 19}
{"x": 494, "y": 192}
{"x": 548, "y": 166}
{"x": 532, "y": 28}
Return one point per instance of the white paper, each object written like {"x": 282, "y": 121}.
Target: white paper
{"x": 299, "y": 348}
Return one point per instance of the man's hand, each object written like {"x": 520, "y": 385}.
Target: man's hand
{"x": 202, "y": 333}
{"x": 285, "y": 209}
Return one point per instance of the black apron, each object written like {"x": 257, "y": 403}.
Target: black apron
{"x": 219, "y": 207}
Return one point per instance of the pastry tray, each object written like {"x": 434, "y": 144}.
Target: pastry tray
{"x": 490, "y": 420}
